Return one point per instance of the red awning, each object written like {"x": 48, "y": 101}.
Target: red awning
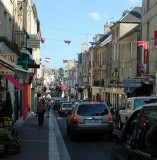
{"x": 15, "y": 82}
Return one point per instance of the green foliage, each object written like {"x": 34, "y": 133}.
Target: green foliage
{"x": 10, "y": 141}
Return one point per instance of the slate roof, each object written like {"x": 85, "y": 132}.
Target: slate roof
{"x": 104, "y": 37}
{"x": 132, "y": 16}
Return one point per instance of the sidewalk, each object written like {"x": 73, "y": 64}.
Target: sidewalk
{"x": 34, "y": 140}
{"x": 40, "y": 144}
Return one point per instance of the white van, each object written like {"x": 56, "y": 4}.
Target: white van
{"x": 130, "y": 105}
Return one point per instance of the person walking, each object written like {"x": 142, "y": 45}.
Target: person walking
{"x": 40, "y": 114}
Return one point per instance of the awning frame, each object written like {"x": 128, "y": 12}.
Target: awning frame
{"x": 11, "y": 65}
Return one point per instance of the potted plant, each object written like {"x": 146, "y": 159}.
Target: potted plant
{"x": 10, "y": 141}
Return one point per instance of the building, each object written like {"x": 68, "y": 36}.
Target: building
{"x": 18, "y": 23}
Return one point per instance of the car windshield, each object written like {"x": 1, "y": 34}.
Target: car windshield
{"x": 92, "y": 110}
{"x": 139, "y": 102}
{"x": 67, "y": 105}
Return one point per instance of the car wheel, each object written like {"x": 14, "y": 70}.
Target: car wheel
{"x": 120, "y": 124}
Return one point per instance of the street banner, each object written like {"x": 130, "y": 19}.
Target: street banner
{"x": 155, "y": 38}
{"x": 146, "y": 53}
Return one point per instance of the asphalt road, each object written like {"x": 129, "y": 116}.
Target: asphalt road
{"x": 85, "y": 147}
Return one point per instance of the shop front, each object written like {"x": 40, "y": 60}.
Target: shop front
{"x": 139, "y": 86}
{"x": 11, "y": 83}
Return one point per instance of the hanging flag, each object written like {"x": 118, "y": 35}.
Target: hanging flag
{"x": 149, "y": 80}
{"x": 145, "y": 44}
{"x": 146, "y": 53}
{"x": 140, "y": 43}
{"x": 44, "y": 68}
{"x": 155, "y": 38}
{"x": 94, "y": 43}
{"x": 67, "y": 41}
{"x": 42, "y": 40}
{"x": 93, "y": 64}
{"x": 65, "y": 61}
{"x": 141, "y": 68}
{"x": 47, "y": 60}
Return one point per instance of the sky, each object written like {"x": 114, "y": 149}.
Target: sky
{"x": 77, "y": 21}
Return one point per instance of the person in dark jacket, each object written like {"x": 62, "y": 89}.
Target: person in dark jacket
{"x": 40, "y": 114}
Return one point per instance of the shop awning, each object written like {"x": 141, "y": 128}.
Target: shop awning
{"x": 11, "y": 65}
{"x": 15, "y": 82}
{"x": 149, "y": 80}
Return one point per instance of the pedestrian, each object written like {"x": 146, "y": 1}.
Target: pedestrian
{"x": 40, "y": 114}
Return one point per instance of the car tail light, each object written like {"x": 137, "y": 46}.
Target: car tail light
{"x": 110, "y": 118}
{"x": 74, "y": 120}
{"x": 91, "y": 103}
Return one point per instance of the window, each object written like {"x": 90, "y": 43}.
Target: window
{"x": 117, "y": 32}
{"x": 148, "y": 31}
{"x": 130, "y": 129}
{"x": 146, "y": 136}
{"x": 67, "y": 105}
{"x": 92, "y": 110}
{"x": 148, "y": 4}
{"x": 139, "y": 102}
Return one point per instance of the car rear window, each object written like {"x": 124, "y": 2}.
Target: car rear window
{"x": 92, "y": 110}
{"x": 67, "y": 105}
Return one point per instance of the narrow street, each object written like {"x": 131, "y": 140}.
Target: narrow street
{"x": 85, "y": 146}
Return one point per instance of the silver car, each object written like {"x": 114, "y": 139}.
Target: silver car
{"x": 65, "y": 108}
{"x": 89, "y": 118}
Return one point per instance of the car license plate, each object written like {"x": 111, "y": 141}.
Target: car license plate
{"x": 92, "y": 121}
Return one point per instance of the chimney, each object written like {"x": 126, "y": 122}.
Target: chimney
{"x": 107, "y": 28}
{"x": 84, "y": 47}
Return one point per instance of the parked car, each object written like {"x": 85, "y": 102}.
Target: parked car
{"x": 88, "y": 118}
{"x": 138, "y": 138}
{"x": 131, "y": 104}
{"x": 65, "y": 108}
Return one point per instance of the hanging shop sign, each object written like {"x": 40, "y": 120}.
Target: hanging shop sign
{"x": 6, "y": 64}
{"x": 132, "y": 82}
{"x": 33, "y": 43}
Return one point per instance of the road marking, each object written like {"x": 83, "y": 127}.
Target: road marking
{"x": 57, "y": 147}
{"x": 59, "y": 117}
{"x": 34, "y": 141}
